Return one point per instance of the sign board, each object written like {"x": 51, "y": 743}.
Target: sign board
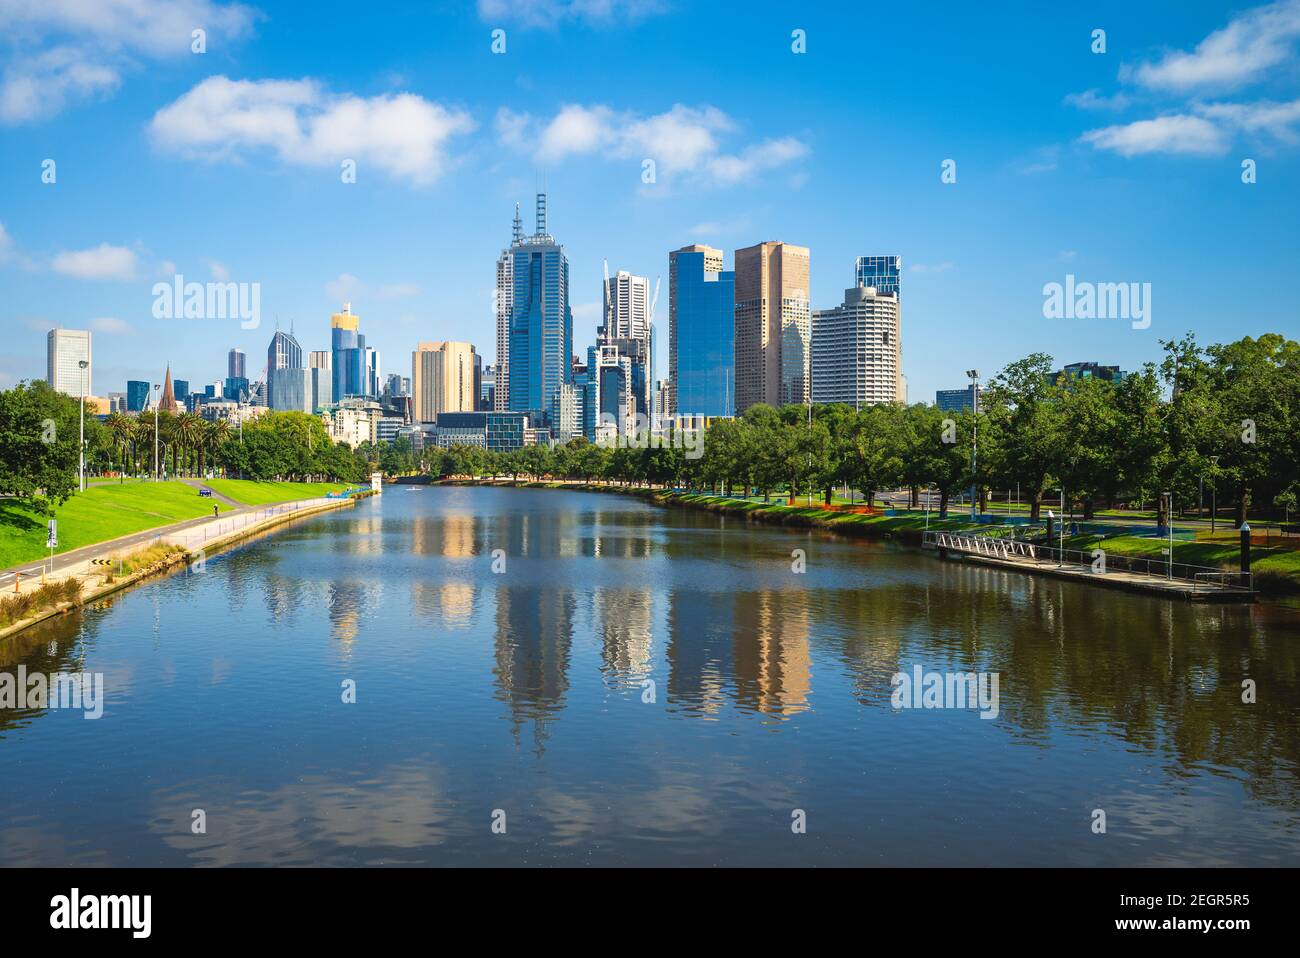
{"x": 376, "y": 482}
{"x": 52, "y": 535}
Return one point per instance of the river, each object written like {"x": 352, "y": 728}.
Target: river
{"x": 561, "y": 677}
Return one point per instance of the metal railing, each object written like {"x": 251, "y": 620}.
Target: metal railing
{"x": 1096, "y": 562}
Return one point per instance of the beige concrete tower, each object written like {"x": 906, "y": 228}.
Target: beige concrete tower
{"x": 773, "y": 325}
{"x": 442, "y": 379}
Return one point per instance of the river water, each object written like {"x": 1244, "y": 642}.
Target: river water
{"x": 560, "y": 677}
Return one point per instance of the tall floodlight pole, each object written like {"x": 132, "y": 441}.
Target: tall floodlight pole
{"x": 1214, "y": 488}
{"x": 974, "y": 375}
{"x": 156, "y": 387}
{"x": 81, "y": 431}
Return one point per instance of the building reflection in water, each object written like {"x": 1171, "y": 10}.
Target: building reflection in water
{"x": 623, "y": 621}
{"x": 773, "y": 667}
{"x": 700, "y": 626}
{"x": 534, "y": 638}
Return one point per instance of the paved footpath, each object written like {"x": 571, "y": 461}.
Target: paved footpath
{"x": 190, "y": 534}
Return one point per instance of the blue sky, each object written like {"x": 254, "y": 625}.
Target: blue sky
{"x": 1122, "y": 166}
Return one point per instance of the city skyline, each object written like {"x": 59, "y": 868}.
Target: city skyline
{"x": 1052, "y": 177}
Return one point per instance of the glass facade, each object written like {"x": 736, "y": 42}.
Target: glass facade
{"x": 704, "y": 335}
{"x": 882, "y": 272}
{"x": 541, "y": 323}
{"x": 137, "y": 395}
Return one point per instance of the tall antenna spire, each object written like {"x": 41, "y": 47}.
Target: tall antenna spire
{"x": 541, "y": 214}
{"x": 517, "y": 236}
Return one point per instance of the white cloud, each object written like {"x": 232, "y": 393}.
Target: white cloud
{"x": 102, "y": 262}
{"x": 1093, "y": 100}
{"x": 1240, "y": 53}
{"x": 346, "y": 288}
{"x": 1178, "y": 133}
{"x": 70, "y": 50}
{"x": 403, "y": 134}
{"x": 220, "y": 272}
{"x": 111, "y": 325}
{"x": 682, "y": 140}
{"x": 6, "y": 244}
{"x": 1276, "y": 119}
{"x": 553, "y": 13}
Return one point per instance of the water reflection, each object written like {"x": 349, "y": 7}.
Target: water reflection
{"x": 524, "y": 687}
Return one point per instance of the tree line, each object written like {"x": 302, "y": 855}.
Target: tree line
{"x": 1221, "y": 417}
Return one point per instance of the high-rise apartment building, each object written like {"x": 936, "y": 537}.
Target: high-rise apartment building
{"x": 65, "y": 351}
{"x": 502, "y": 305}
{"x": 857, "y": 354}
{"x": 235, "y": 365}
{"x": 289, "y": 389}
{"x": 701, "y": 333}
{"x": 627, "y": 327}
{"x": 444, "y": 378}
{"x": 773, "y": 325}
{"x": 541, "y": 324}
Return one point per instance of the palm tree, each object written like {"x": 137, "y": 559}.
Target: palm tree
{"x": 188, "y": 430}
{"x": 120, "y": 428}
{"x": 218, "y": 435}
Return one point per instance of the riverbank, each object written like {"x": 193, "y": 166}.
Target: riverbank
{"x": 1277, "y": 570}
{"x": 86, "y": 581}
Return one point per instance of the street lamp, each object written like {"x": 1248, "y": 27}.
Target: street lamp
{"x": 156, "y": 387}
{"x": 974, "y": 375}
{"x": 1214, "y": 504}
{"x": 1169, "y": 518}
{"x": 81, "y": 427}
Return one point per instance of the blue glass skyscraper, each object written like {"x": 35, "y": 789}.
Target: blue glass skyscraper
{"x": 701, "y": 333}
{"x": 541, "y": 323}
{"x": 349, "y": 355}
{"x": 882, "y": 272}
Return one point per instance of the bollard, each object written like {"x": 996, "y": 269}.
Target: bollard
{"x": 17, "y": 578}
{"x": 1245, "y": 547}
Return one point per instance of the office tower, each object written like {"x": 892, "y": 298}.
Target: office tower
{"x": 955, "y": 400}
{"x": 117, "y": 402}
{"x": 137, "y": 395}
{"x": 350, "y": 372}
{"x": 289, "y": 389}
{"x": 236, "y": 389}
{"x": 443, "y": 379}
{"x": 541, "y": 323}
{"x": 1073, "y": 371}
{"x": 283, "y": 353}
{"x": 857, "y": 351}
{"x": 701, "y": 333}
{"x": 882, "y": 273}
{"x": 235, "y": 365}
{"x": 502, "y": 303}
{"x": 65, "y": 351}
{"x": 773, "y": 325}
{"x": 487, "y": 389}
{"x": 168, "y": 401}
{"x": 373, "y": 377}
{"x": 321, "y": 364}
{"x": 182, "y": 390}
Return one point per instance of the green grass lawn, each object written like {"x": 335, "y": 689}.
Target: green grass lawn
{"x": 1267, "y": 562}
{"x": 262, "y": 493}
{"x": 103, "y": 511}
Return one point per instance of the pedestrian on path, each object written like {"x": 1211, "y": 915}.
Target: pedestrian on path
{"x": 215, "y": 510}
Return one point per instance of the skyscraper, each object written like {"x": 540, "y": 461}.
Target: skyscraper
{"x": 503, "y": 300}
{"x": 283, "y": 353}
{"x": 443, "y": 379}
{"x": 235, "y": 365}
{"x": 65, "y": 351}
{"x": 627, "y": 328}
{"x": 857, "y": 350}
{"x": 541, "y": 323}
{"x": 701, "y": 333}
{"x": 883, "y": 273}
{"x": 320, "y": 362}
{"x": 773, "y": 328}
{"x": 348, "y": 360}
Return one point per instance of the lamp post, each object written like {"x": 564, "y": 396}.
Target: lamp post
{"x": 1169, "y": 514}
{"x": 81, "y": 430}
{"x": 1214, "y": 503}
{"x": 156, "y": 387}
{"x": 974, "y": 375}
